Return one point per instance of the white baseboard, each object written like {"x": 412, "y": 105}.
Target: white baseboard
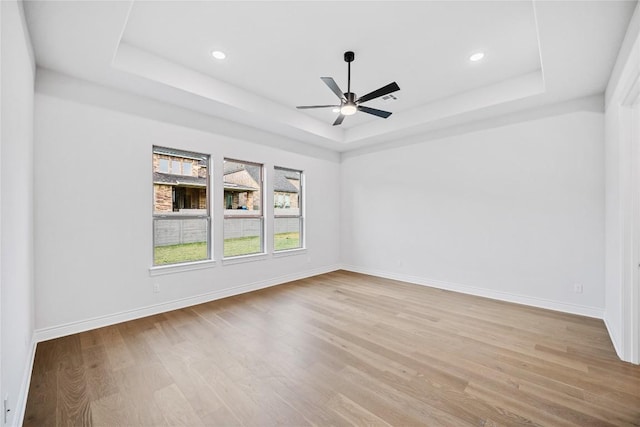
{"x": 614, "y": 338}
{"x": 52, "y": 332}
{"x": 595, "y": 312}
{"x": 21, "y": 401}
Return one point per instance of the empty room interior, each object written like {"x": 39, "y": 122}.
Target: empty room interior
{"x": 263, "y": 213}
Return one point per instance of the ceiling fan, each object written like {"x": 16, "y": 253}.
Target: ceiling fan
{"x": 349, "y": 104}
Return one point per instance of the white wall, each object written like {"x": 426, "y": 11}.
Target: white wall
{"x": 94, "y": 205}
{"x": 514, "y": 212}
{"x": 619, "y": 188}
{"x": 16, "y": 211}
{"x": 613, "y": 235}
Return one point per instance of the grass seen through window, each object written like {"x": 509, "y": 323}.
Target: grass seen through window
{"x": 186, "y": 252}
{"x": 174, "y": 254}
{"x": 285, "y": 241}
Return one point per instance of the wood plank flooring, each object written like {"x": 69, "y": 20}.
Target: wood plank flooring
{"x": 338, "y": 349}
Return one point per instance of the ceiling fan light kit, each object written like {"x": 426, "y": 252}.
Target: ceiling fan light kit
{"x": 349, "y": 103}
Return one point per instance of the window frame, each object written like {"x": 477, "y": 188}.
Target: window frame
{"x": 301, "y": 211}
{"x": 261, "y": 216}
{"x": 178, "y": 266}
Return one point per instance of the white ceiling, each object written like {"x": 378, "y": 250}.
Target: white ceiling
{"x": 537, "y": 53}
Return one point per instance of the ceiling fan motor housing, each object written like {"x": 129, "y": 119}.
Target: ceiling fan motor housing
{"x": 350, "y": 97}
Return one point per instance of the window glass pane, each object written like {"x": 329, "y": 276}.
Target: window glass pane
{"x": 163, "y": 165}
{"x": 242, "y": 236}
{"x": 286, "y": 192}
{"x": 175, "y": 167}
{"x": 181, "y": 219}
{"x": 243, "y": 187}
{"x": 186, "y": 168}
{"x": 287, "y": 209}
{"x": 286, "y": 233}
{"x": 243, "y": 220}
{"x": 179, "y": 240}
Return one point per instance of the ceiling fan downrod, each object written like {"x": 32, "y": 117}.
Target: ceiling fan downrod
{"x": 349, "y": 56}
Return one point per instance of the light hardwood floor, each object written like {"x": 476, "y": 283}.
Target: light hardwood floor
{"x": 338, "y": 349}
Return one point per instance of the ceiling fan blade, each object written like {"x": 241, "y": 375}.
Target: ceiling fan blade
{"x": 375, "y": 112}
{"x": 391, "y": 87}
{"x": 339, "y": 120}
{"x": 333, "y": 86}
{"x": 304, "y": 107}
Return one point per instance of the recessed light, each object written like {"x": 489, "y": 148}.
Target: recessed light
{"x": 476, "y": 56}
{"x": 218, "y": 54}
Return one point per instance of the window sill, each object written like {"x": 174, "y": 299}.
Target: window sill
{"x": 290, "y": 252}
{"x": 159, "y": 270}
{"x": 244, "y": 258}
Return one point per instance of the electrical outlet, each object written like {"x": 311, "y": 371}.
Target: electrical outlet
{"x": 156, "y": 288}
{"x": 577, "y": 288}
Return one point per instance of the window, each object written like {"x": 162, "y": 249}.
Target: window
{"x": 287, "y": 209}
{"x": 163, "y": 165}
{"x": 181, "y": 218}
{"x": 187, "y": 168}
{"x": 243, "y": 213}
{"x": 175, "y": 167}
